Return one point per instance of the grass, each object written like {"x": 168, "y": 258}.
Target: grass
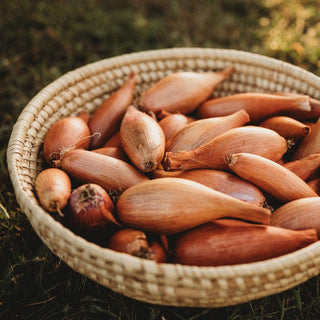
{"x": 40, "y": 41}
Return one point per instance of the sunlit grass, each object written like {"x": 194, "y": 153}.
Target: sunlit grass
{"x": 292, "y": 32}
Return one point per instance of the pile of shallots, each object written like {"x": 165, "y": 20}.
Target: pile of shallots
{"x": 177, "y": 175}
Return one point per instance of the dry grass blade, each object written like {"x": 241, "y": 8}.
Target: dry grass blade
{"x": 4, "y": 211}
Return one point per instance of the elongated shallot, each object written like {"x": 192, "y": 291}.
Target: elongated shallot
{"x": 173, "y": 205}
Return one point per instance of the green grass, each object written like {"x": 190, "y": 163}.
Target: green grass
{"x": 40, "y": 41}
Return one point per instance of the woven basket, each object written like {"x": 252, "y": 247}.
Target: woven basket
{"x": 164, "y": 284}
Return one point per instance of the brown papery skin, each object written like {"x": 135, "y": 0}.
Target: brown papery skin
{"x": 53, "y": 188}
{"x": 106, "y": 120}
{"x": 310, "y": 144}
{"x": 172, "y": 205}
{"x": 258, "y": 105}
{"x": 182, "y": 91}
{"x": 174, "y": 122}
{"x": 231, "y": 242}
{"x": 129, "y": 241}
{"x": 65, "y": 134}
{"x": 287, "y": 127}
{"x": 84, "y": 115}
{"x": 270, "y": 177}
{"x": 214, "y": 154}
{"x": 299, "y": 214}
{"x": 306, "y": 167}
{"x": 114, "y": 141}
{"x": 116, "y": 152}
{"x": 311, "y": 115}
{"x": 315, "y": 185}
{"x": 227, "y": 183}
{"x": 135, "y": 243}
{"x": 158, "y": 252}
{"x": 110, "y": 173}
{"x": 142, "y": 139}
{"x": 161, "y": 173}
{"x": 202, "y": 131}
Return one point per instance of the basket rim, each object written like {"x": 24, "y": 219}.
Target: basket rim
{"x": 172, "y": 272}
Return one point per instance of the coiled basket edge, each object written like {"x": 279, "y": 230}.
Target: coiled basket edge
{"x": 164, "y": 284}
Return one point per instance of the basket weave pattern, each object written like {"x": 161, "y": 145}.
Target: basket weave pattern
{"x": 145, "y": 280}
